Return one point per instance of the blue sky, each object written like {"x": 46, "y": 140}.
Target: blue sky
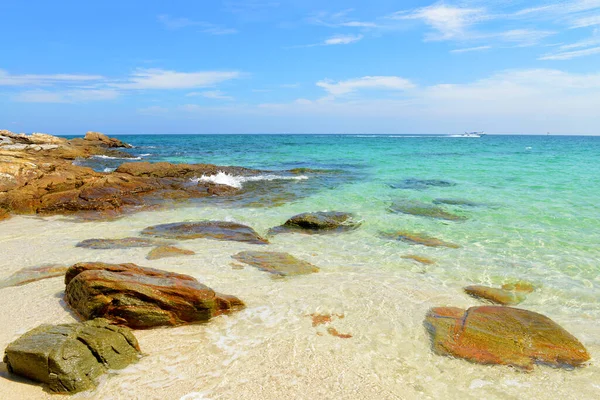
{"x": 300, "y": 66}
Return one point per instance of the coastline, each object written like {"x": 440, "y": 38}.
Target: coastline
{"x": 271, "y": 349}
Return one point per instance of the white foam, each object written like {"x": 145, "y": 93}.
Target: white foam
{"x": 101, "y": 156}
{"x": 223, "y": 178}
{"x": 108, "y": 169}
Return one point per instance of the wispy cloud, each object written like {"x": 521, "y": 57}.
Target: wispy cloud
{"x": 567, "y": 55}
{"x": 212, "y": 94}
{"x": 366, "y": 82}
{"x": 342, "y": 39}
{"x": 7, "y": 79}
{"x": 175, "y": 23}
{"x": 163, "y": 79}
{"x": 65, "y": 96}
{"x": 470, "y": 49}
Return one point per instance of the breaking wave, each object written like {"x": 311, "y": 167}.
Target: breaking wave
{"x": 223, "y": 178}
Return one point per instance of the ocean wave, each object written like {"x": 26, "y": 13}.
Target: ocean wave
{"x": 108, "y": 169}
{"x": 223, "y": 178}
{"x": 145, "y": 155}
{"x": 103, "y": 157}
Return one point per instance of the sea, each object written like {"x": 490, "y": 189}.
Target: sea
{"x": 526, "y": 207}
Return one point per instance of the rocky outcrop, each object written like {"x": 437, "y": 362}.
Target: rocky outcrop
{"x": 421, "y": 209}
{"x": 508, "y": 295}
{"x": 418, "y": 239}
{"x": 33, "y": 274}
{"x": 503, "y": 335}
{"x": 168, "y": 251}
{"x": 281, "y": 264}
{"x": 124, "y": 243}
{"x": 318, "y": 222}
{"x": 138, "y": 297}
{"x": 216, "y": 230}
{"x": 39, "y": 177}
{"x": 69, "y": 358}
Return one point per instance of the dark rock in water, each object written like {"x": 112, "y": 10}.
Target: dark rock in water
{"x": 503, "y": 335}
{"x": 495, "y": 295}
{"x": 421, "y": 184}
{"x": 33, "y": 274}
{"x": 418, "y": 239}
{"x": 218, "y": 230}
{"x": 457, "y": 202}
{"x": 70, "y": 357}
{"x": 138, "y": 297}
{"x": 420, "y": 259}
{"x": 283, "y": 264}
{"x": 420, "y": 209}
{"x": 168, "y": 251}
{"x": 125, "y": 243}
{"x": 322, "y": 221}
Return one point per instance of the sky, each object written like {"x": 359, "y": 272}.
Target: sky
{"x": 300, "y": 66}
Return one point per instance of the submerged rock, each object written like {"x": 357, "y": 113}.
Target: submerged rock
{"x": 168, "y": 251}
{"x": 218, "y": 230}
{"x": 33, "y": 274}
{"x": 321, "y": 221}
{"x": 282, "y": 264}
{"x": 69, "y": 358}
{"x": 421, "y": 259}
{"x": 139, "y": 297}
{"x": 503, "y": 335}
{"x": 457, "y": 202}
{"x": 421, "y": 209}
{"x": 421, "y": 184}
{"x": 124, "y": 243}
{"x": 418, "y": 239}
{"x": 507, "y": 297}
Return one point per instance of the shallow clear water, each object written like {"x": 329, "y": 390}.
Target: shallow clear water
{"x": 535, "y": 217}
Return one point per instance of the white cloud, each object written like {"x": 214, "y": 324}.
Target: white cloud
{"x": 7, "y": 79}
{"x": 163, "y": 79}
{"x": 174, "y": 23}
{"x": 342, "y": 39}
{"x": 211, "y": 94}
{"x": 567, "y": 55}
{"x": 450, "y": 22}
{"x": 586, "y": 21}
{"x": 470, "y": 49}
{"x": 366, "y": 82}
{"x": 65, "y": 96}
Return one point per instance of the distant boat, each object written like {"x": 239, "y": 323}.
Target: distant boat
{"x": 473, "y": 134}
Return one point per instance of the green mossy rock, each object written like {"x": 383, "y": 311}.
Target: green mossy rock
{"x": 69, "y": 358}
{"x": 318, "y": 222}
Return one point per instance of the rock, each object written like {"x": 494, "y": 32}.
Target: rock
{"x": 519, "y": 286}
{"x": 139, "y": 298}
{"x": 105, "y": 140}
{"x": 457, "y": 202}
{"x": 418, "y": 239}
{"x": 282, "y": 264}
{"x": 421, "y": 259}
{"x": 421, "y": 184}
{"x": 498, "y": 296}
{"x": 503, "y": 335}
{"x": 4, "y": 214}
{"x": 168, "y": 251}
{"x": 317, "y": 222}
{"x": 218, "y": 230}
{"x": 70, "y": 357}
{"x": 424, "y": 210}
{"x": 33, "y": 274}
{"x": 125, "y": 243}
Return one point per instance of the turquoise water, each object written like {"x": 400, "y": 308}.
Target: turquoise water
{"x": 531, "y": 213}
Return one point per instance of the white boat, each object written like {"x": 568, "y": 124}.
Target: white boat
{"x": 473, "y": 134}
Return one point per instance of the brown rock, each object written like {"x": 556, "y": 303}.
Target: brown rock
{"x": 282, "y": 264}
{"x": 498, "y": 296}
{"x": 33, "y": 274}
{"x": 168, "y": 251}
{"x": 418, "y": 239}
{"x": 4, "y": 214}
{"x": 124, "y": 243}
{"x": 105, "y": 140}
{"x": 318, "y": 222}
{"x": 138, "y": 297}
{"x": 421, "y": 259}
{"x": 503, "y": 335}
{"x": 217, "y": 230}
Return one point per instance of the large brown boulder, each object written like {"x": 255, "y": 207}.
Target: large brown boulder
{"x": 69, "y": 358}
{"x": 105, "y": 140}
{"x": 138, "y": 297}
{"x": 318, "y": 222}
{"x": 503, "y": 335}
